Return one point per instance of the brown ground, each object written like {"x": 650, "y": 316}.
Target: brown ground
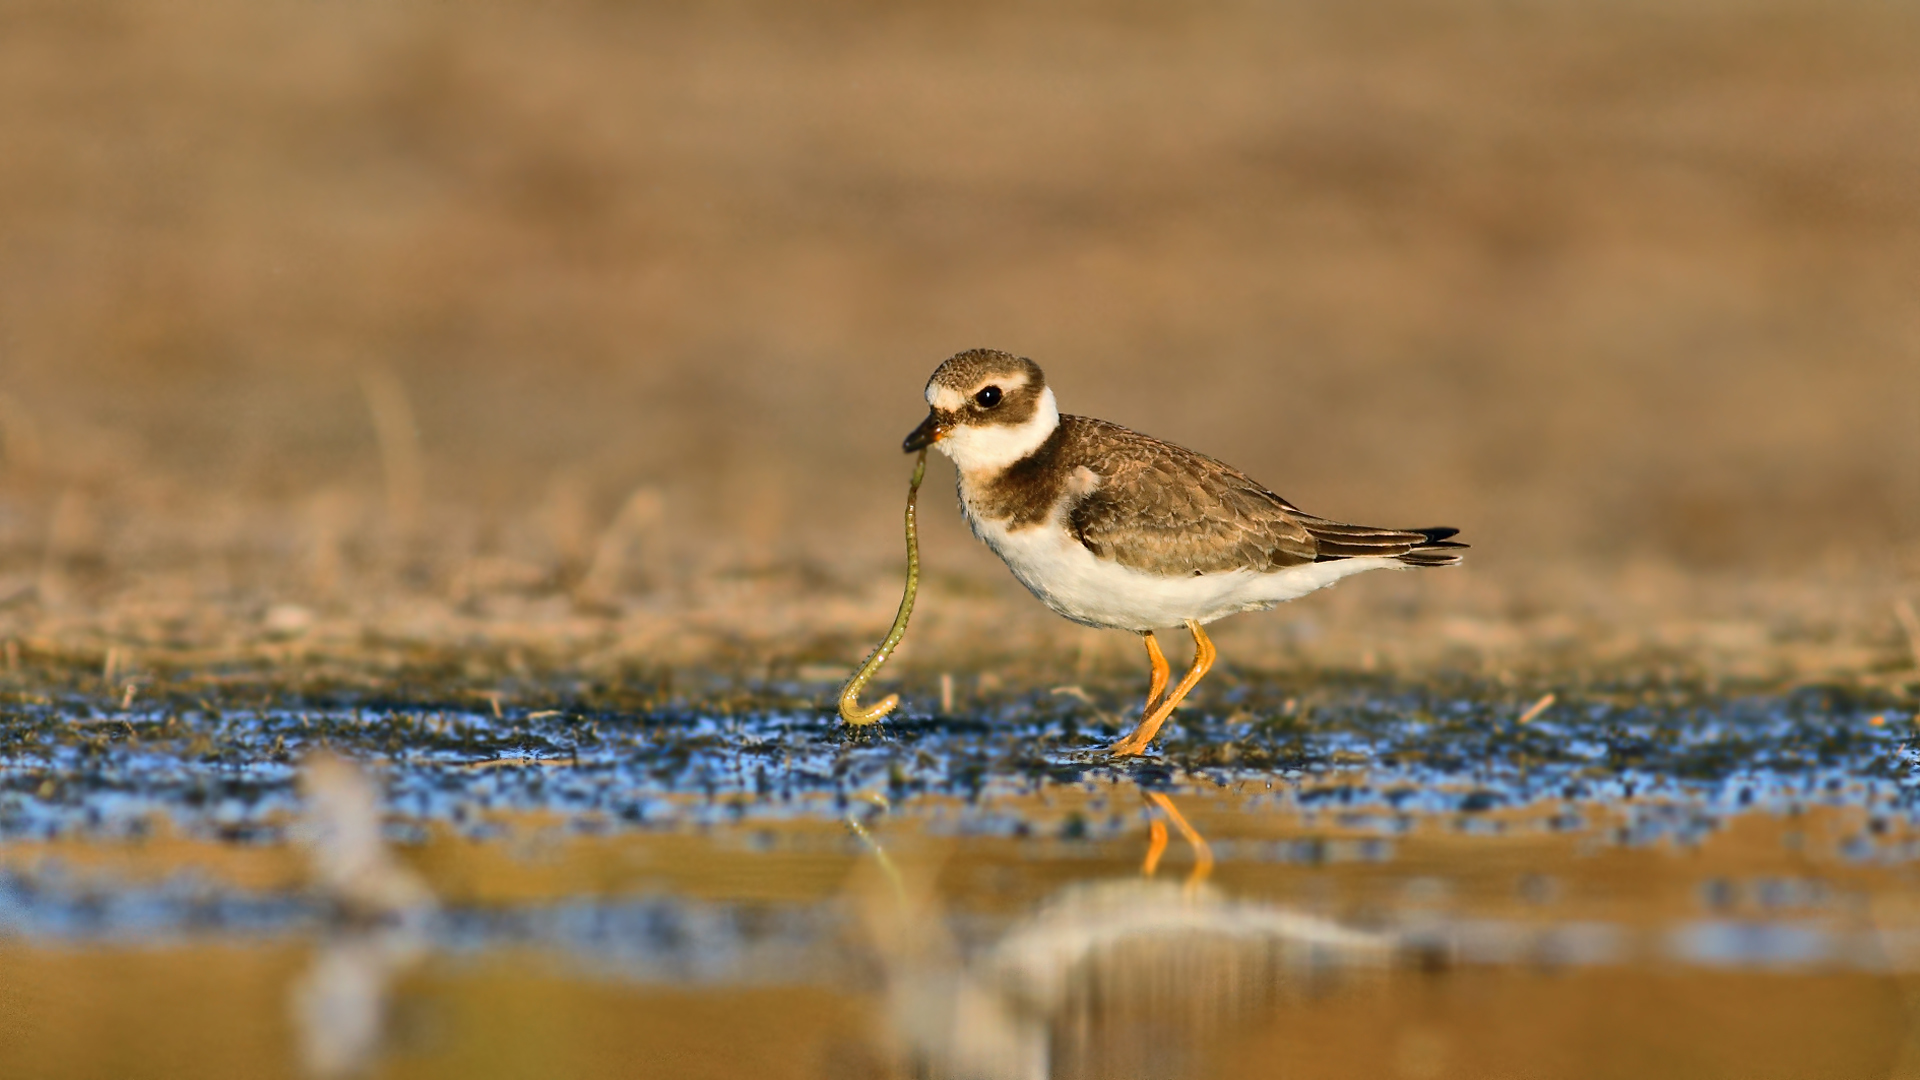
{"x": 582, "y": 326}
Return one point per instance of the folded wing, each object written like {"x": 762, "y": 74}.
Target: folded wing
{"x": 1164, "y": 509}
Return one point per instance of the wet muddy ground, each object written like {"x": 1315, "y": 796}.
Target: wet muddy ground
{"x": 707, "y": 876}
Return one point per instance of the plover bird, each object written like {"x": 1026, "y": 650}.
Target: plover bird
{"x": 1116, "y": 529}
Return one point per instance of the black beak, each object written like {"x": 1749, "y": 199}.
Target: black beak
{"x": 930, "y": 431}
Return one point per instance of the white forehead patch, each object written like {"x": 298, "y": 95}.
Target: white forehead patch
{"x": 944, "y": 398}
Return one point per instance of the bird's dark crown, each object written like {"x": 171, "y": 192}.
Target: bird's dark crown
{"x": 986, "y": 387}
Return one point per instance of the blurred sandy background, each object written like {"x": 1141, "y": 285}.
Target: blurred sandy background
{"x": 595, "y": 326}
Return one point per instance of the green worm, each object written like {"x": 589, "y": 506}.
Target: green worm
{"x": 850, "y": 709}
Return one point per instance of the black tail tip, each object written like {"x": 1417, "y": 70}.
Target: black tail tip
{"x": 1438, "y": 549}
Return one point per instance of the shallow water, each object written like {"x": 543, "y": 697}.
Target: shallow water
{"x": 1338, "y": 879}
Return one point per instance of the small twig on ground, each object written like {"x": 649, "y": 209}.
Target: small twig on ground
{"x": 399, "y": 437}
{"x": 1910, "y": 622}
{"x": 523, "y": 762}
{"x": 1079, "y": 694}
{"x": 605, "y": 573}
{"x": 1534, "y": 710}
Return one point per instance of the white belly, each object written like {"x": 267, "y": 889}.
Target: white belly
{"x": 1100, "y": 592}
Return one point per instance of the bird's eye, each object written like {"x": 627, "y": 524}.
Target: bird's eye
{"x": 988, "y": 397}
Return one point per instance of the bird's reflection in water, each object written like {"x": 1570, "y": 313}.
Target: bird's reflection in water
{"x": 1118, "y": 978}
{"x": 377, "y": 922}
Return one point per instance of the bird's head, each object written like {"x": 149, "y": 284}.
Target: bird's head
{"x": 986, "y": 409}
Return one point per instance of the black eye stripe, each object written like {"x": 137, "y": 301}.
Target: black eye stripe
{"x": 988, "y": 397}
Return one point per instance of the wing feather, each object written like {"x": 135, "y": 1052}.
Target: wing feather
{"x": 1165, "y": 509}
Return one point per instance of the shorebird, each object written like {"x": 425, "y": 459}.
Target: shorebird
{"x": 1119, "y": 530}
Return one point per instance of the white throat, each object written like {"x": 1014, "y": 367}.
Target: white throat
{"x": 992, "y": 447}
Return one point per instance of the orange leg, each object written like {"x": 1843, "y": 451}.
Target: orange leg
{"x": 1160, "y": 672}
{"x": 1202, "y": 851}
{"x": 1136, "y": 741}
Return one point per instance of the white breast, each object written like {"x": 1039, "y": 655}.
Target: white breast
{"x": 1100, "y": 592}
